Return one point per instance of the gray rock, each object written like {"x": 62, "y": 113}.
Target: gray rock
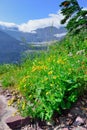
{"x": 2, "y": 106}
{"x": 79, "y": 128}
{"x": 65, "y": 129}
{"x": 79, "y": 121}
{"x": 3, "y": 126}
{"x": 5, "y": 112}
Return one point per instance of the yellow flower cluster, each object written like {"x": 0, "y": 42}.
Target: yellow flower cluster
{"x": 24, "y": 78}
{"x": 50, "y": 72}
{"x": 51, "y": 58}
{"x": 61, "y": 61}
{"x": 47, "y": 93}
{"x": 54, "y": 77}
{"x": 38, "y": 68}
{"x": 44, "y": 80}
{"x": 11, "y": 101}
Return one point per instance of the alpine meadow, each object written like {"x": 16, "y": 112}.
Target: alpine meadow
{"x": 52, "y": 80}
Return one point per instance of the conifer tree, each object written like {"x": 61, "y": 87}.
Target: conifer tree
{"x": 74, "y": 15}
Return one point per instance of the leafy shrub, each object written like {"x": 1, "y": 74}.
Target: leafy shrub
{"x": 55, "y": 80}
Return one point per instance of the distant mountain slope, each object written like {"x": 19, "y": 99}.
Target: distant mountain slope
{"x": 14, "y": 42}
{"x": 10, "y": 49}
{"x": 41, "y": 35}
{"x": 48, "y": 33}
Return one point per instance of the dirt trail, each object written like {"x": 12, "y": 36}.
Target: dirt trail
{"x": 5, "y": 112}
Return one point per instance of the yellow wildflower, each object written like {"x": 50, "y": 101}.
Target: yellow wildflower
{"x": 47, "y": 93}
{"x": 30, "y": 96}
{"x": 23, "y": 106}
{"x": 50, "y": 72}
{"x": 54, "y": 77}
{"x": 38, "y": 68}
{"x": 51, "y": 85}
{"x": 18, "y": 101}
{"x": 10, "y": 102}
{"x": 33, "y": 68}
{"x": 60, "y": 61}
{"x": 44, "y": 80}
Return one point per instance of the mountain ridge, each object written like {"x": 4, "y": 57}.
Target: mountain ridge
{"x": 39, "y": 35}
{"x": 10, "y": 48}
{"x": 13, "y": 42}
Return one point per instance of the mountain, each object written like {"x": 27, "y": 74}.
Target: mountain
{"x": 40, "y": 35}
{"x": 10, "y": 49}
{"x": 14, "y": 42}
{"x": 49, "y": 33}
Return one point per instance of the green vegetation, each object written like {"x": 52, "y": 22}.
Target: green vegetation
{"x": 52, "y": 81}
{"x": 6, "y": 73}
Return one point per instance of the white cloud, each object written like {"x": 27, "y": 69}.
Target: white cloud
{"x": 84, "y": 9}
{"x": 32, "y": 25}
{"x": 6, "y": 24}
{"x": 60, "y": 35}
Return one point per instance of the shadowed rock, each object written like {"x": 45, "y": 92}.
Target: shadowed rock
{"x": 15, "y": 122}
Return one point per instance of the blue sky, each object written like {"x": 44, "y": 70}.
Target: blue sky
{"x": 20, "y": 11}
{"x": 28, "y": 12}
